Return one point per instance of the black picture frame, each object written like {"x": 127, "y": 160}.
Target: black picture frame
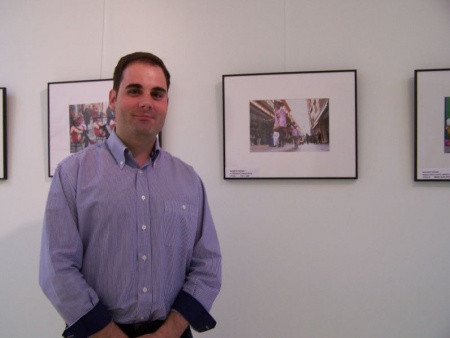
{"x": 319, "y": 135}
{"x": 3, "y": 138}
{"x": 432, "y": 124}
{"x": 70, "y": 102}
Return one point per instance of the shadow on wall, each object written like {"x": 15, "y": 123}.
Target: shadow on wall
{"x": 26, "y": 310}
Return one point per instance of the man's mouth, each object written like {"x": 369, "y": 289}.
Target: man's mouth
{"x": 142, "y": 116}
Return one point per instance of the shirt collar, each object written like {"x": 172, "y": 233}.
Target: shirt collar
{"x": 118, "y": 150}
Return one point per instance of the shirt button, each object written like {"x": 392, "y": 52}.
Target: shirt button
{"x": 144, "y": 290}
{"x": 184, "y": 207}
{"x": 140, "y": 171}
{"x": 144, "y": 258}
{"x": 144, "y": 227}
{"x": 143, "y": 197}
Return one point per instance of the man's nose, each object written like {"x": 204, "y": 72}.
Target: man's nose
{"x": 146, "y": 102}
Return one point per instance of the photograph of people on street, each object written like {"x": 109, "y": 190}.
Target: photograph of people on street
{"x": 289, "y": 125}
{"x": 90, "y": 123}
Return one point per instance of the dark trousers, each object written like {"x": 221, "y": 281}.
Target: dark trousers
{"x": 136, "y": 330}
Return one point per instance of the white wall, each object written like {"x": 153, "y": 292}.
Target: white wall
{"x": 302, "y": 258}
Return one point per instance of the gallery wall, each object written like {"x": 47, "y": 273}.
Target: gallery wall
{"x": 301, "y": 258}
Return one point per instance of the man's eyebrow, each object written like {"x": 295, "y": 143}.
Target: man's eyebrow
{"x": 134, "y": 85}
{"x": 159, "y": 89}
{"x": 139, "y": 86}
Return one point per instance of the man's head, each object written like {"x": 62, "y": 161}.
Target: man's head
{"x": 138, "y": 57}
{"x": 139, "y": 98}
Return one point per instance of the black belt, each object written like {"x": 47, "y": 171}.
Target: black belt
{"x": 139, "y": 329}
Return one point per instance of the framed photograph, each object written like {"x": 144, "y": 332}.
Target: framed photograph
{"x": 290, "y": 125}
{"x": 432, "y": 124}
{"x": 3, "y": 151}
{"x": 78, "y": 115}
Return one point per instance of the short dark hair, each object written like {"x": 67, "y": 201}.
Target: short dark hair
{"x": 138, "y": 57}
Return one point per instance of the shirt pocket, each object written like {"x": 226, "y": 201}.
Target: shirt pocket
{"x": 180, "y": 224}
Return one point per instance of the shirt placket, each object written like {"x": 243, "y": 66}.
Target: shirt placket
{"x": 145, "y": 289}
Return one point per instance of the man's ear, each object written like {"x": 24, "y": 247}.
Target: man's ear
{"x": 112, "y": 99}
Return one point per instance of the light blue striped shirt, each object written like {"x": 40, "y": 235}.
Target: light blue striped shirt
{"x": 131, "y": 239}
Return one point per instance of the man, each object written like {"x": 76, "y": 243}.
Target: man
{"x": 129, "y": 247}
{"x": 109, "y": 115}
{"x": 87, "y": 113}
{"x": 280, "y": 125}
{"x": 100, "y": 130}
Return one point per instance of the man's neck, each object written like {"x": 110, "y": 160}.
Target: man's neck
{"x": 140, "y": 148}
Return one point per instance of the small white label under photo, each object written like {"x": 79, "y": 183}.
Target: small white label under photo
{"x": 242, "y": 172}
{"x": 435, "y": 174}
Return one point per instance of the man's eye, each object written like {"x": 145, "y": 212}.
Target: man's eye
{"x": 157, "y": 95}
{"x": 134, "y": 91}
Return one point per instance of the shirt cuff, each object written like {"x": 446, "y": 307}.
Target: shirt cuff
{"x": 90, "y": 323}
{"x": 194, "y": 312}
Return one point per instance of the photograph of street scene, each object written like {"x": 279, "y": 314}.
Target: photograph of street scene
{"x": 89, "y": 123}
{"x": 289, "y": 125}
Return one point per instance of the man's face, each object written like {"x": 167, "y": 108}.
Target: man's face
{"x": 141, "y": 102}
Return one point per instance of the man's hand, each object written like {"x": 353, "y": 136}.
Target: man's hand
{"x": 173, "y": 327}
{"x": 110, "y": 331}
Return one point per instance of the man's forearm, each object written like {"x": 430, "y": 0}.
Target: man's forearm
{"x": 110, "y": 331}
{"x": 173, "y": 327}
